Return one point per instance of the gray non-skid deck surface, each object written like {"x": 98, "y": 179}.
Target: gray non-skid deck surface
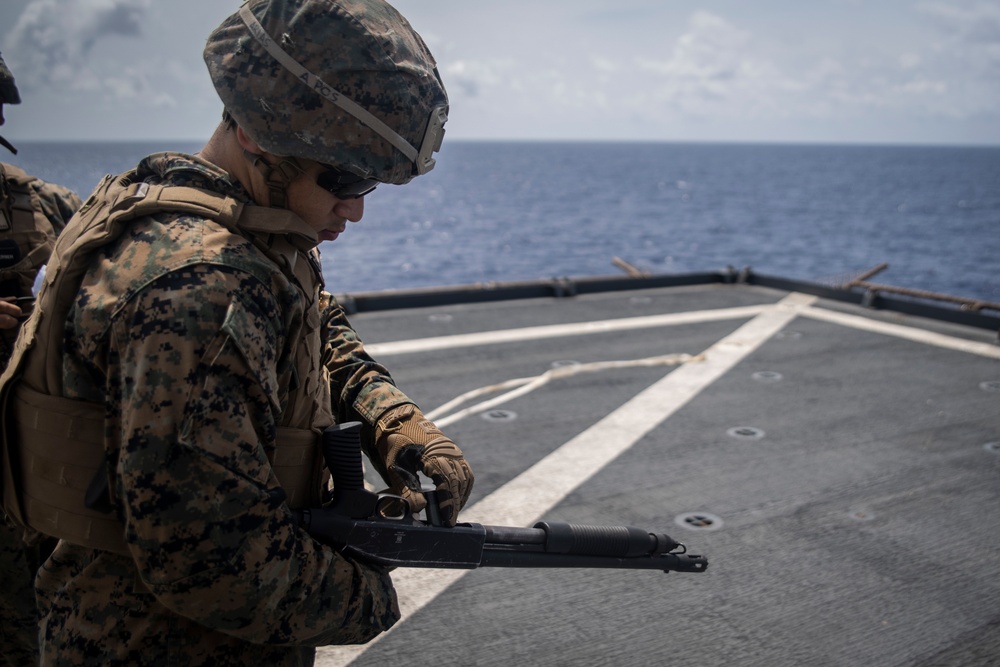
{"x": 855, "y": 481}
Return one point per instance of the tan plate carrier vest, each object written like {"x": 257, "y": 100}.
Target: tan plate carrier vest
{"x": 53, "y": 447}
{"x": 23, "y": 222}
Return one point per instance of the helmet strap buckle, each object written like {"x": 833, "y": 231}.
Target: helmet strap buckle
{"x": 276, "y": 176}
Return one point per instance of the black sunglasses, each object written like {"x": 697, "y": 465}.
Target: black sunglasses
{"x": 344, "y": 184}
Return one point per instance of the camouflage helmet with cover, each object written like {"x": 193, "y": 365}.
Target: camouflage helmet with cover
{"x": 347, "y": 83}
{"x": 8, "y": 91}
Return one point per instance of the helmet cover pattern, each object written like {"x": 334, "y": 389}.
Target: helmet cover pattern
{"x": 364, "y": 49}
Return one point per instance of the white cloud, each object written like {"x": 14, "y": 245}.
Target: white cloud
{"x": 54, "y": 40}
{"x": 712, "y": 69}
{"x": 717, "y": 69}
{"x": 909, "y": 60}
{"x": 972, "y": 37}
{"x": 123, "y": 69}
{"x": 603, "y": 65}
{"x": 473, "y": 77}
{"x": 582, "y": 69}
{"x": 978, "y": 22}
{"x": 718, "y": 72}
{"x": 964, "y": 60}
{"x": 712, "y": 49}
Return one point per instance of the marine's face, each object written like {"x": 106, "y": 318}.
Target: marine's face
{"x": 322, "y": 211}
{"x": 317, "y": 206}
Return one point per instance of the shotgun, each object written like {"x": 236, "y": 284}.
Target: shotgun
{"x": 371, "y": 526}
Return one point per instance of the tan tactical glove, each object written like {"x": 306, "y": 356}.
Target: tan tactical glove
{"x": 407, "y": 442}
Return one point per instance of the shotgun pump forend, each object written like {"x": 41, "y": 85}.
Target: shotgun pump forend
{"x": 370, "y": 526}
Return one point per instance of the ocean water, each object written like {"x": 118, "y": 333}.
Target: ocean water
{"x": 509, "y": 211}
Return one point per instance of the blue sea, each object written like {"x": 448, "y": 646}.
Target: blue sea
{"x": 512, "y": 211}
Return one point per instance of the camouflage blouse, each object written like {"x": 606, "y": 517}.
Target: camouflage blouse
{"x": 218, "y": 573}
{"x": 19, "y": 562}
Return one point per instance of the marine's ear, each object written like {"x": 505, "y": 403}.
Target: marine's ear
{"x": 247, "y": 143}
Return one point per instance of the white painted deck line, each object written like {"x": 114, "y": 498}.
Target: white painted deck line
{"x": 379, "y": 350}
{"x": 531, "y": 495}
{"x": 903, "y": 331}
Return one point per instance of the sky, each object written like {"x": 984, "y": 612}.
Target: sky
{"x": 818, "y": 71}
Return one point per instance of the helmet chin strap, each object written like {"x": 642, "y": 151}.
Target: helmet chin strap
{"x": 6, "y": 144}
{"x": 276, "y": 176}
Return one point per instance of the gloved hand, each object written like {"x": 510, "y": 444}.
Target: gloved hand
{"x": 10, "y": 314}
{"x": 407, "y": 442}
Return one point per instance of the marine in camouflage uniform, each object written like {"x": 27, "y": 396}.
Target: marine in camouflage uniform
{"x": 183, "y": 305}
{"x": 32, "y": 213}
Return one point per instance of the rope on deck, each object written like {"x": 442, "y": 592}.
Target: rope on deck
{"x": 521, "y": 386}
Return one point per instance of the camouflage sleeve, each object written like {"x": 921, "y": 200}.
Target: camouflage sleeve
{"x": 206, "y": 520}
{"x": 361, "y": 388}
{"x": 58, "y": 203}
